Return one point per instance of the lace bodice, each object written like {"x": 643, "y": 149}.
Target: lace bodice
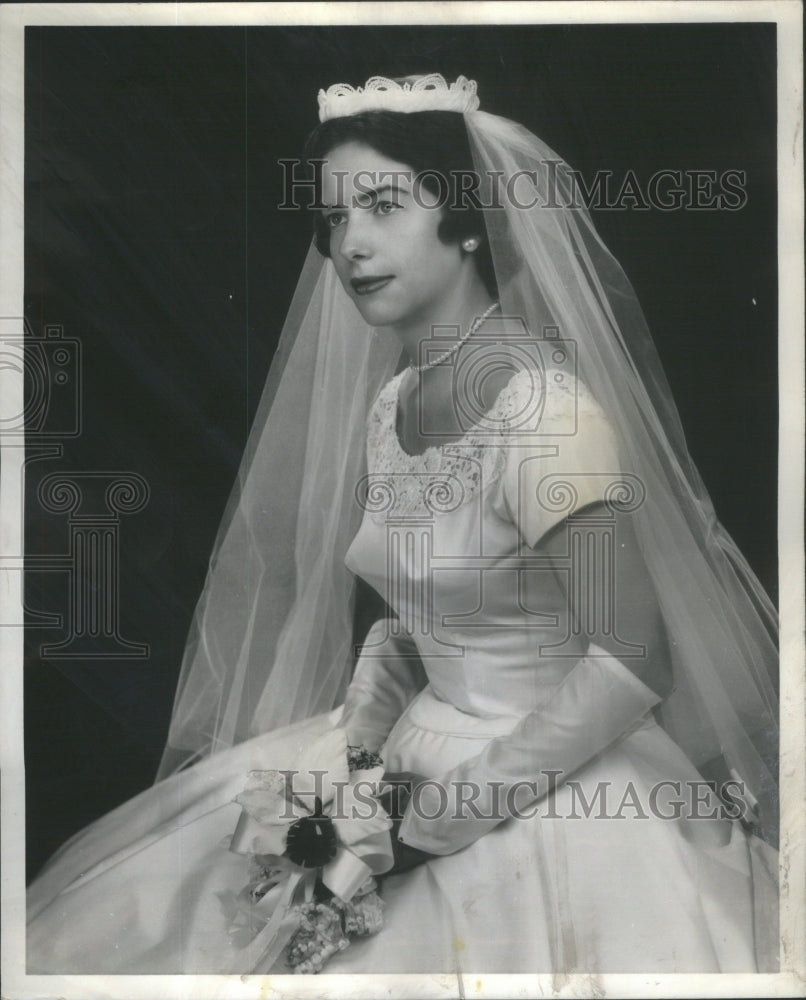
{"x": 445, "y": 477}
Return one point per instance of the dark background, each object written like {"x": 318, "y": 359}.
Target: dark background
{"x": 153, "y": 238}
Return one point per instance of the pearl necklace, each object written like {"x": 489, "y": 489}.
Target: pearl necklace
{"x": 474, "y": 327}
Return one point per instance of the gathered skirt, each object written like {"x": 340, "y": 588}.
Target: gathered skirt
{"x": 616, "y": 887}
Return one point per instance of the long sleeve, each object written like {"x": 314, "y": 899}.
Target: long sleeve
{"x": 596, "y": 702}
{"x": 388, "y": 674}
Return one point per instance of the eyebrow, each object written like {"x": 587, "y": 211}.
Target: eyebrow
{"x": 372, "y": 192}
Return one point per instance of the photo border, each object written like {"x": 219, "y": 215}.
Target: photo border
{"x": 790, "y": 980}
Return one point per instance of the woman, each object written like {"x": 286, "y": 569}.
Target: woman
{"x": 570, "y": 632}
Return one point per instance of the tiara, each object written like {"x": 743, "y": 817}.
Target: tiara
{"x": 379, "y": 93}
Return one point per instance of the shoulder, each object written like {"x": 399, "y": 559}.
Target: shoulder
{"x": 562, "y": 461}
{"x": 384, "y": 406}
{"x": 388, "y": 391}
{"x": 546, "y": 401}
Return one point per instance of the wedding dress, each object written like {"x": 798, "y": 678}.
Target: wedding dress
{"x": 613, "y": 855}
{"x": 478, "y": 643}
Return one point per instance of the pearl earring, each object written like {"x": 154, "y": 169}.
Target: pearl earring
{"x": 471, "y": 244}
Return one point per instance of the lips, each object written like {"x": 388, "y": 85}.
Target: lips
{"x": 366, "y": 286}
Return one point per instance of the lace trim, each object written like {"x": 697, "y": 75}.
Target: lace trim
{"x": 445, "y": 477}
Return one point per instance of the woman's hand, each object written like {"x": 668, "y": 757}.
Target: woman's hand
{"x": 398, "y": 790}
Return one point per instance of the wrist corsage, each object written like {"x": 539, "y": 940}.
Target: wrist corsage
{"x": 315, "y": 836}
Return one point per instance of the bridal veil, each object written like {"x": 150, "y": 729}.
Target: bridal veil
{"x": 272, "y": 637}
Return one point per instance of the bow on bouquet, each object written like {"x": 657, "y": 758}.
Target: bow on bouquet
{"x": 315, "y": 835}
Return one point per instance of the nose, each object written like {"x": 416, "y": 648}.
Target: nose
{"x": 356, "y": 238}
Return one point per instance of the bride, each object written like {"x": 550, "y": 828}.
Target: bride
{"x": 570, "y": 689}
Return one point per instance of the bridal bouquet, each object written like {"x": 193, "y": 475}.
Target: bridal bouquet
{"x": 315, "y": 836}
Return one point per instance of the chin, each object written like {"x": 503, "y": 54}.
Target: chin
{"x": 376, "y": 313}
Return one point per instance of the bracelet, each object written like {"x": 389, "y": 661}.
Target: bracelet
{"x": 359, "y": 758}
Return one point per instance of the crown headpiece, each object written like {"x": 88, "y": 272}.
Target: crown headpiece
{"x": 379, "y": 93}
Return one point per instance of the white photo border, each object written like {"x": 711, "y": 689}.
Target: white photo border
{"x": 790, "y": 980}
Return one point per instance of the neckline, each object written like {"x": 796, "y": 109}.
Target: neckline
{"x": 439, "y": 449}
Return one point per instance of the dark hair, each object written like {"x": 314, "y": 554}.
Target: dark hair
{"x": 430, "y": 142}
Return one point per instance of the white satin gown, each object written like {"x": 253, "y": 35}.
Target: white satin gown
{"x": 479, "y": 645}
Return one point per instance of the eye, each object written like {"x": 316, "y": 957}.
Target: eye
{"x": 334, "y": 219}
{"x": 386, "y": 207}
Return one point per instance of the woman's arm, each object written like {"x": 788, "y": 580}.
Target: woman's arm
{"x": 388, "y": 674}
{"x": 600, "y": 697}
{"x": 638, "y": 615}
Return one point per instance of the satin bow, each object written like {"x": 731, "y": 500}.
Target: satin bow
{"x": 321, "y": 784}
